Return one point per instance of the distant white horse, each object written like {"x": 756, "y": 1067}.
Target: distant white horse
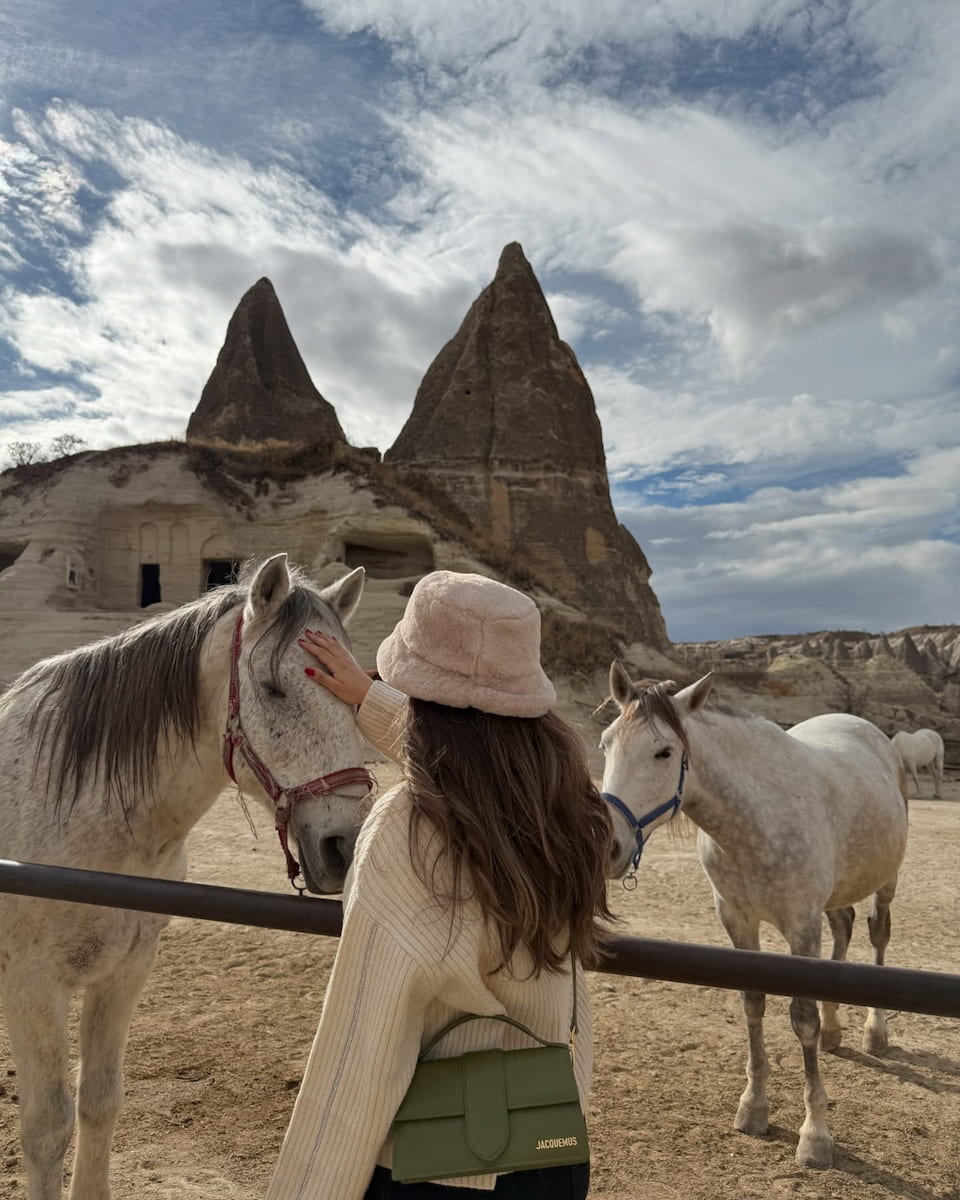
{"x": 109, "y": 755}
{"x": 791, "y": 825}
{"x": 922, "y": 749}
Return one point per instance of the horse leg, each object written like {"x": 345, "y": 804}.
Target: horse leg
{"x": 916, "y": 780}
{"x": 104, "y": 1022}
{"x": 815, "y": 1147}
{"x": 753, "y": 1111}
{"x": 841, "y": 926}
{"x": 878, "y": 922}
{"x": 36, "y": 1013}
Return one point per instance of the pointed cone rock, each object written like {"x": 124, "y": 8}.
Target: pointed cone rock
{"x": 504, "y": 420}
{"x": 911, "y": 655}
{"x": 260, "y": 389}
{"x": 505, "y": 389}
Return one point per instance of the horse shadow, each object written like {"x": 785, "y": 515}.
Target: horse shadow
{"x": 933, "y": 1072}
{"x": 860, "y": 1168}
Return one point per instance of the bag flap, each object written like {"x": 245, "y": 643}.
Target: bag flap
{"x": 436, "y": 1090}
{"x": 485, "y": 1102}
{"x": 535, "y": 1077}
{"x": 541, "y": 1076}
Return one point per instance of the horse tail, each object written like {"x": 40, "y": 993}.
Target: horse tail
{"x": 902, "y": 779}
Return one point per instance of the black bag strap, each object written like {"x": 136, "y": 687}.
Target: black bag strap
{"x": 510, "y": 1021}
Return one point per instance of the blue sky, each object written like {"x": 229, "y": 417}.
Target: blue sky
{"x": 743, "y": 213}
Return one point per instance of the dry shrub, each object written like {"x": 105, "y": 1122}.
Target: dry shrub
{"x": 779, "y": 687}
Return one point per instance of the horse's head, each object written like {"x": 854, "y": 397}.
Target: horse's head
{"x": 645, "y": 759}
{"x": 293, "y": 735}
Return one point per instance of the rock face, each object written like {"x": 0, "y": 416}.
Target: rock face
{"x": 260, "y": 389}
{"x": 504, "y": 421}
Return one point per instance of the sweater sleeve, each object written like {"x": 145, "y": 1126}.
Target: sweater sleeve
{"x": 381, "y": 716}
{"x": 363, "y": 1058}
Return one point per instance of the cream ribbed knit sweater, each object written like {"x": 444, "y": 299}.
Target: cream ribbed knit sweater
{"x": 399, "y": 976}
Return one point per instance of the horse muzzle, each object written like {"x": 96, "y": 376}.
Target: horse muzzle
{"x": 325, "y": 858}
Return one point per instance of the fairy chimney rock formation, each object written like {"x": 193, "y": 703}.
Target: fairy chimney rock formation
{"x": 911, "y": 655}
{"x": 260, "y": 389}
{"x": 504, "y": 421}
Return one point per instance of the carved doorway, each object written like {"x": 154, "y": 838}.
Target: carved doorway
{"x": 219, "y": 571}
{"x": 149, "y": 584}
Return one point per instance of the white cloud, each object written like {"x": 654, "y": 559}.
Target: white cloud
{"x": 867, "y": 551}
{"x": 180, "y": 241}
{"x": 509, "y": 32}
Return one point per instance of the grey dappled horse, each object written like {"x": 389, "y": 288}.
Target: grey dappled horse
{"x": 109, "y": 755}
{"x": 791, "y": 825}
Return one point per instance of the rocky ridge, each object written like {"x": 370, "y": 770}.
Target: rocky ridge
{"x": 903, "y": 680}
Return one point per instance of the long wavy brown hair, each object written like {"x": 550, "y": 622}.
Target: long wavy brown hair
{"x": 504, "y": 813}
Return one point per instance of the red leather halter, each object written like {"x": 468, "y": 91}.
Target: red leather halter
{"x": 284, "y": 798}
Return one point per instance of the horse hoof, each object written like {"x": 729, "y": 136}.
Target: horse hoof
{"x": 815, "y": 1151}
{"x": 753, "y": 1119}
{"x": 875, "y": 1044}
{"x": 830, "y": 1039}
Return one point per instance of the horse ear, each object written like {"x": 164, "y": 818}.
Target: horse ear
{"x": 694, "y": 696}
{"x": 268, "y": 588}
{"x": 621, "y": 685}
{"x": 344, "y": 595}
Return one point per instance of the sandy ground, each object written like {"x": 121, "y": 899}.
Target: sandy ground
{"x": 222, "y": 1032}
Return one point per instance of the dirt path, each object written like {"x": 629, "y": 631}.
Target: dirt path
{"x": 223, "y": 1029}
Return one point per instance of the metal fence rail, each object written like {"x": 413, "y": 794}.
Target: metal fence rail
{"x": 932, "y": 992}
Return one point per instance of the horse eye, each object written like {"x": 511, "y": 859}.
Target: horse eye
{"x": 272, "y": 690}
{"x": 664, "y": 753}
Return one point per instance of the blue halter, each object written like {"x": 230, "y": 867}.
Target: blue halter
{"x": 671, "y": 806}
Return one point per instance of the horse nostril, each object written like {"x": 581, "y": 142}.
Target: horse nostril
{"x": 332, "y": 849}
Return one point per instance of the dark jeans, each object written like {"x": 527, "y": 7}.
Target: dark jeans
{"x": 551, "y": 1183}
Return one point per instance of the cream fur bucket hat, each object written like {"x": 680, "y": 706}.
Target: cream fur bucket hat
{"x": 469, "y": 642}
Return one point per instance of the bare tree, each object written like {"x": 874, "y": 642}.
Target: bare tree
{"x": 64, "y": 444}
{"x": 22, "y": 453}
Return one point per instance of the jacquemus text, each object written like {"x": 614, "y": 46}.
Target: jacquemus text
{"x": 555, "y": 1143}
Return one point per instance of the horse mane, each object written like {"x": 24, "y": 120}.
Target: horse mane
{"x": 107, "y": 710}
{"x": 652, "y": 703}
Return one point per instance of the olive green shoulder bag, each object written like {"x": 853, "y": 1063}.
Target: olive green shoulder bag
{"x": 491, "y": 1111}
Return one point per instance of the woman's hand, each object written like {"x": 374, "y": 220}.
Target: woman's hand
{"x": 341, "y": 674}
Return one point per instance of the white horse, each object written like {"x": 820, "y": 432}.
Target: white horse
{"x": 109, "y": 755}
{"x": 922, "y": 749}
{"x": 791, "y": 825}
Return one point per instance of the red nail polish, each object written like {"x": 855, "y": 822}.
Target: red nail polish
{"x": 309, "y": 671}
